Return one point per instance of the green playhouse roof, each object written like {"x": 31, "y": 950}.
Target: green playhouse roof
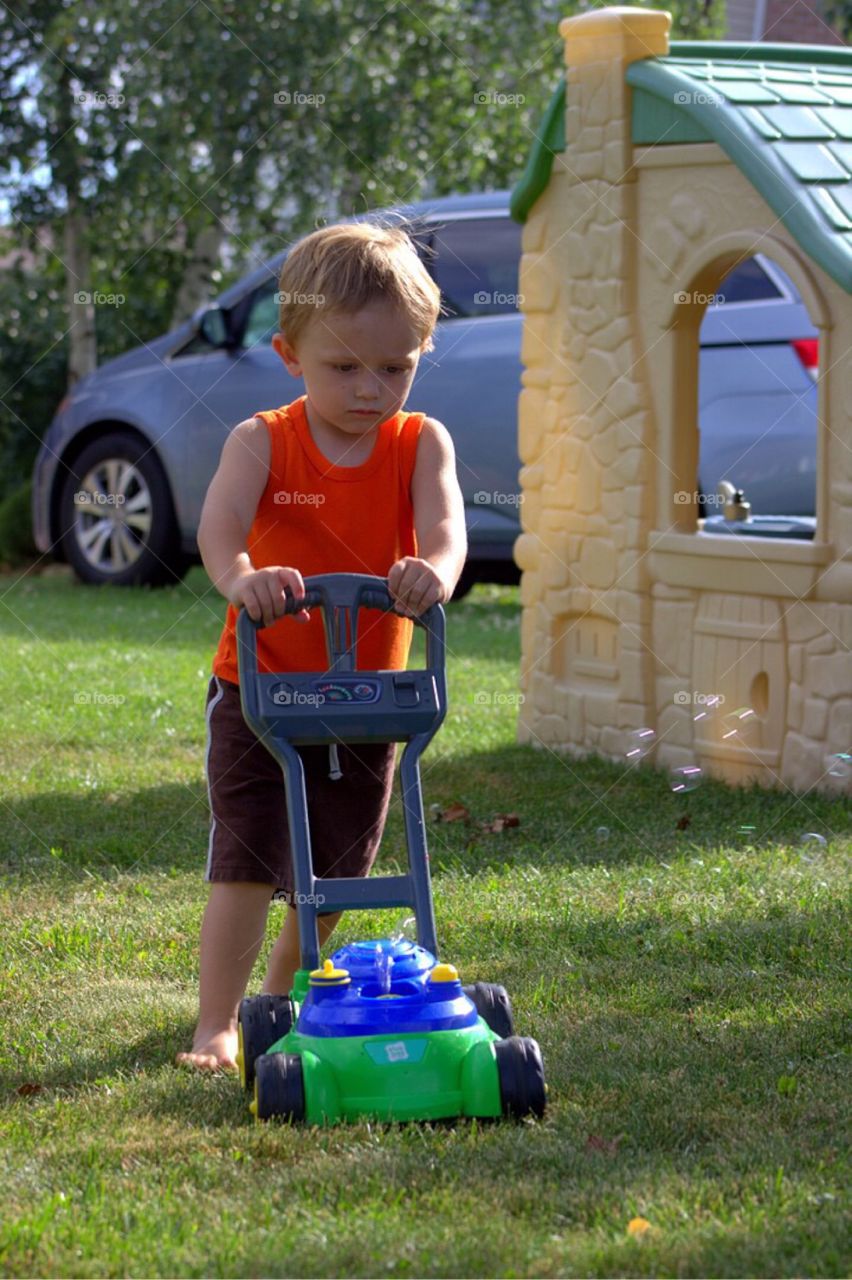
{"x": 784, "y": 118}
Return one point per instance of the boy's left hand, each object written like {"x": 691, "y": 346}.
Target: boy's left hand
{"x": 415, "y": 585}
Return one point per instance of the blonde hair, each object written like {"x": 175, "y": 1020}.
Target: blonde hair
{"x": 346, "y": 266}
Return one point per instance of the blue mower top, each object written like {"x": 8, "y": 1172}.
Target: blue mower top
{"x": 392, "y": 988}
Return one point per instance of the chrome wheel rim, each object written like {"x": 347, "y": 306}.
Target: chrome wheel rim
{"x": 112, "y": 515}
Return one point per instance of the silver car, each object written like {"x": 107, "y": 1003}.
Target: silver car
{"x": 125, "y": 464}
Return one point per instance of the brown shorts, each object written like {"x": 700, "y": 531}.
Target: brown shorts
{"x": 249, "y": 835}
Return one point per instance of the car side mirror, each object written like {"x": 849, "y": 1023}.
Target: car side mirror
{"x": 215, "y": 329}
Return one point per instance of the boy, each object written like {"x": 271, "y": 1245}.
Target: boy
{"x": 338, "y": 481}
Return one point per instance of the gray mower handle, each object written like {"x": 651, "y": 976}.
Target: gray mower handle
{"x": 340, "y": 595}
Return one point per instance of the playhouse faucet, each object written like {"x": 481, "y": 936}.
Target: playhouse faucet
{"x": 734, "y": 506}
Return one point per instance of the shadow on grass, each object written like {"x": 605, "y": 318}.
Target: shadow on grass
{"x": 570, "y": 813}
{"x": 183, "y": 1092}
{"x": 667, "y": 1032}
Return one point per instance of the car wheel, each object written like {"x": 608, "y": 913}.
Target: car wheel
{"x": 279, "y": 1089}
{"x": 493, "y": 1006}
{"x": 521, "y": 1074}
{"x": 261, "y": 1021}
{"x": 116, "y": 518}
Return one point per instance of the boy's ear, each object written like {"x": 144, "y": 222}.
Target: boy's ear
{"x": 287, "y": 354}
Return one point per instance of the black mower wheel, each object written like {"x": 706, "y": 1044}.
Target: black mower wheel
{"x": 493, "y": 1006}
{"x": 521, "y": 1074}
{"x": 261, "y": 1020}
{"x": 279, "y": 1087}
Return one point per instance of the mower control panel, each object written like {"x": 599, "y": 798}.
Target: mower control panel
{"x": 318, "y": 692}
{"x": 371, "y": 705}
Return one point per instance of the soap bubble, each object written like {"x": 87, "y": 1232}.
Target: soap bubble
{"x": 736, "y": 725}
{"x": 384, "y": 964}
{"x": 406, "y": 930}
{"x": 812, "y": 845}
{"x": 839, "y": 766}
{"x": 685, "y": 777}
{"x": 707, "y": 708}
{"x": 640, "y": 743}
{"x": 602, "y": 834}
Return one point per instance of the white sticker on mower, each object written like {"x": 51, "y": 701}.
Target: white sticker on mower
{"x": 397, "y": 1052}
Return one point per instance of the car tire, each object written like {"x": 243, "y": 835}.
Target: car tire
{"x": 493, "y": 1006}
{"x": 261, "y": 1021}
{"x": 116, "y": 517}
{"x": 279, "y": 1087}
{"x": 520, "y": 1071}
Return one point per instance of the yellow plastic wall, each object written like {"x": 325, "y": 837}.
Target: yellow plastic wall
{"x": 631, "y": 617}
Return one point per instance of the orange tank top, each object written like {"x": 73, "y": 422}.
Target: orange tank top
{"x": 320, "y": 518}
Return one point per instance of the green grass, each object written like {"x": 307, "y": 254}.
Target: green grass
{"x": 688, "y": 986}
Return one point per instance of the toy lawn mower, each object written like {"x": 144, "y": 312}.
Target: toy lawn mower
{"x": 381, "y": 1029}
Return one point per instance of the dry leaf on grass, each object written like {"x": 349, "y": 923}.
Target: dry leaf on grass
{"x": 500, "y": 822}
{"x": 454, "y": 813}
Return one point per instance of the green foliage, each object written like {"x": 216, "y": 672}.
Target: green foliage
{"x": 16, "y": 539}
{"x": 697, "y": 19}
{"x": 32, "y": 365}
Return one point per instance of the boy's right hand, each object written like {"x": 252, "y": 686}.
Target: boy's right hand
{"x": 261, "y": 591}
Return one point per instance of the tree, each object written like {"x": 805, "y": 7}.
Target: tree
{"x": 138, "y": 142}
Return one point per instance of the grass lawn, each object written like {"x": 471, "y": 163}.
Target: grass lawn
{"x": 687, "y": 981}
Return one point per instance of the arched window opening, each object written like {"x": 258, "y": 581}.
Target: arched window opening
{"x": 757, "y": 406}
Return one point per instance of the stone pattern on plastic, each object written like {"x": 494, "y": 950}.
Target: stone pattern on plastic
{"x": 626, "y": 607}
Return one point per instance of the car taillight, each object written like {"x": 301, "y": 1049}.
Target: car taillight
{"x": 807, "y": 349}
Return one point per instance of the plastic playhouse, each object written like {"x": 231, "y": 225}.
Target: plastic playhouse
{"x": 659, "y": 167}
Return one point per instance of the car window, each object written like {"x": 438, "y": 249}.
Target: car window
{"x": 748, "y": 282}
{"x": 262, "y": 317}
{"x": 476, "y": 265}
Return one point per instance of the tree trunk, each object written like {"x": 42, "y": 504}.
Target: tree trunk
{"x": 83, "y": 346}
{"x": 195, "y": 287}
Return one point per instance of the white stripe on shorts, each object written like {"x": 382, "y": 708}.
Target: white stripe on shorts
{"x": 214, "y": 702}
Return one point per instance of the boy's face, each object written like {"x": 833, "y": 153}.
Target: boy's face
{"x": 358, "y": 368}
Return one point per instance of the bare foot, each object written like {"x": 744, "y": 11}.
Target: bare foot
{"x": 213, "y": 1051}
